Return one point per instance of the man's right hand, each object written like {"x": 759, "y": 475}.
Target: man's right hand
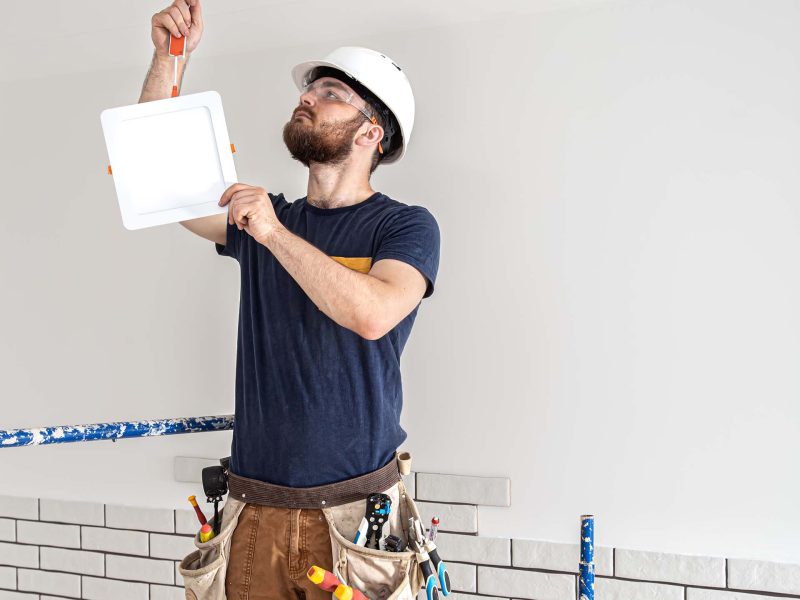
{"x": 181, "y": 18}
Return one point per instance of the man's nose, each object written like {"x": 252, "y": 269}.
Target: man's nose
{"x": 307, "y": 98}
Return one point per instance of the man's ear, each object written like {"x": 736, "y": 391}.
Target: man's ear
{"x": 372, "y": 135}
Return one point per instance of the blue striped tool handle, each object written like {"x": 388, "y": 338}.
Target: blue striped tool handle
{"x": 441, "y": 570}
{"x": 430, "y": 580}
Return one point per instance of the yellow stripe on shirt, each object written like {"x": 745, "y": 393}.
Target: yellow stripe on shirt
{"x": 357, "y": 263}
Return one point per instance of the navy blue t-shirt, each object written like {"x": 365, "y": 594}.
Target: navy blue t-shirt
{"x": 316, "y": 403}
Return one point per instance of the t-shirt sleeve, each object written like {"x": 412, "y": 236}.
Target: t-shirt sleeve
{"x": 412, "y": 237}
{"x": 233, "y": 241}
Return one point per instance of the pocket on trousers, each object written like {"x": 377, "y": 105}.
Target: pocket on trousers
{"x": 204, "y": 569}
{"x": 380, "y": 574}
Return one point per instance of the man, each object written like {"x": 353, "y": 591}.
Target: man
{"x": 330, "y": 287}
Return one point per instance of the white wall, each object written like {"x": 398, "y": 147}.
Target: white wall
{"x": 614, "y": 326}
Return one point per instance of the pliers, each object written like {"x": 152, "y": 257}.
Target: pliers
{"x": 426, "y": 553}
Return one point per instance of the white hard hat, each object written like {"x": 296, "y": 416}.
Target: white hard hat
{"x": 380, "y": 75}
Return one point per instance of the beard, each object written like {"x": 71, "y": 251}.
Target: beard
{"x": 330, "y": 142}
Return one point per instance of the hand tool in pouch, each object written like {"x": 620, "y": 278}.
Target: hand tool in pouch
{"x": 438, "y": 565}
{"x": 200, "y": 516}
{"x": 432, "y": 565}
{"x": 392, "y": 543}
{"x": 215, "y": 484}
{"x": 177, "y": 48}
{"x": 206, "y": 533}
{"x": 375, "y": 525}
{"x": 326, "y": 580}
{"x": 434, "y": 528}
{"x": 344, "y": 592}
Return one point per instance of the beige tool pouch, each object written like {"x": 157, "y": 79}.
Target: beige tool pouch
{"x": 380, "y": 574}
{"x": 204, "y": 569}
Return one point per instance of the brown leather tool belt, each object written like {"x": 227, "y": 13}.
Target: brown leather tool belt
{"x": 321, "y": 496}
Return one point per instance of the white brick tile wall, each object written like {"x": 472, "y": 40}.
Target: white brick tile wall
{"x": 71, "y": 511}
{"x": 145, "y": 545}
{"x": 8, "y": 578}
{"x": 474, "y": 549}
{"x": 410, "y": 481}
{"x": 618, "y": 589}
{"x": 145, "y": 519}
{"x": 189, "y": 469}
{"x": 171, "y": 546}
{"x": 461, "y": 518}
{"x": 8, "y": 530}
{"x": 49, "y": 534}
{"x": 485, "y": 491}
{"x": 463, "y": 577}
{"x": 114, "y": 540}
{"x": 73, "y": 561}
{"x": 106, "y": 589}
{"x": 186, "y": 520}
{"x": 517, "y": 583}
{"x": 18, "y": 507}
{"x": 706, "y": 594}
{"x": 18, "y": 555}
{"x": 554, "y": 556}
{"x": 764, "y": 576}
{"x": 6, "y": 595}
{"x": 163, "y": 592}
{"x": 139, "y": 569}
{"x": 63, "y": 584}
{"x": 676, "y": 568}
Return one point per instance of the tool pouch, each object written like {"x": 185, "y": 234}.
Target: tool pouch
{"x": 204, "y": 570}
{"x": 380, "y": 574}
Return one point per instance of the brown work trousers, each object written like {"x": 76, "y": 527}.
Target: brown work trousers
{"x": 271, "y": 551}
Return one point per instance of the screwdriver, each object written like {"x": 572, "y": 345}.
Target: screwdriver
{"x": 200, "y": 516}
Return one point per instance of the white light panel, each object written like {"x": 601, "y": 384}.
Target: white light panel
{"x": 171, "y": 159}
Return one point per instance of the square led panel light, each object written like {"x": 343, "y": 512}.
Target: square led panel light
{"x": 171, "y": 159}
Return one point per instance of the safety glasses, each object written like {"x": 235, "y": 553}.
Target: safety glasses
{"x": 327, "y": 89}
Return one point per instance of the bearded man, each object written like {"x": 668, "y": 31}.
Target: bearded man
{"x": 330, "y": 287}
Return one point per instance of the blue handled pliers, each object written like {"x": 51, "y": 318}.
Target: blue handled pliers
{"x": 426, "y": 550}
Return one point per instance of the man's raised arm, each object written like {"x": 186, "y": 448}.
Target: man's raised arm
{"x": 181, "y": 18}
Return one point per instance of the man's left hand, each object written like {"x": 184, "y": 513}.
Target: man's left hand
{"x": 250, "y": 208}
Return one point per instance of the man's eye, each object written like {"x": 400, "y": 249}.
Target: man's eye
{"x": 332, "y": 95}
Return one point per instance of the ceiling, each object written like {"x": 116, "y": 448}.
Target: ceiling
{"x": 52, "y": 37}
